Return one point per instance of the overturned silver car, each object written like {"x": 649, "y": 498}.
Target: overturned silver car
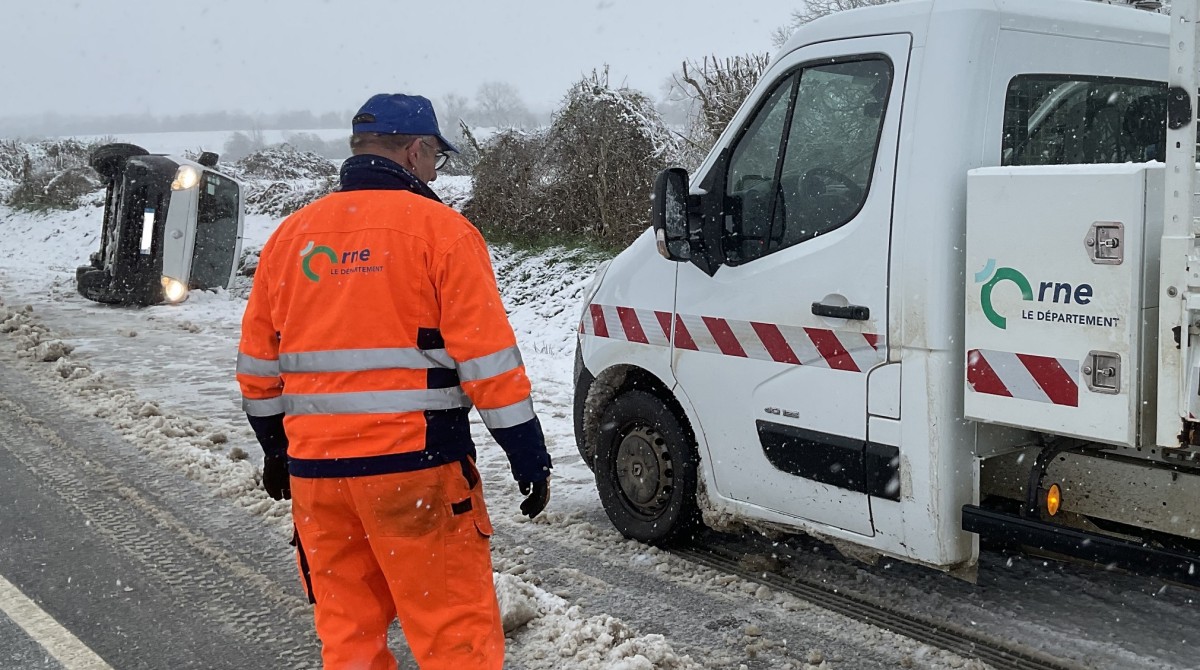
{"x": 171, "y": 225}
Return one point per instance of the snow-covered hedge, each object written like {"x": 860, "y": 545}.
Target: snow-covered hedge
{"x": 281, "y": 198}
{"x": 280, "y": 180}
{"x": 284, "y": 162}
{"x": 50, "y": 174}
{"x": 585, "y": 178}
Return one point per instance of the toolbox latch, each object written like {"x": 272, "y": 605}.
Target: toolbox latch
{"x": 1102, "y": 372}
{"x": 1105, "y": 242}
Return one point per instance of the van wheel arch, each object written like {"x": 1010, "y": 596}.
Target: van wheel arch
{"x": 603, "y": 389}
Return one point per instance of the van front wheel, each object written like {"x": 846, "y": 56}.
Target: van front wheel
{"x": 646, "y": 469}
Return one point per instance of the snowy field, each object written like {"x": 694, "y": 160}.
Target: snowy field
{"x": 214, "y": 140}
{"x": 163, "y": 377}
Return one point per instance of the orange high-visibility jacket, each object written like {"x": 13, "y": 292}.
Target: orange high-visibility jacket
{"x": 373, "y": 326}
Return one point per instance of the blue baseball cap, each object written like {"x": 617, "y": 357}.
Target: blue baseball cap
{"x": 399, "y": 114}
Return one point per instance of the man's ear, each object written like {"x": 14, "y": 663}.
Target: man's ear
{"x": 412, "y": 153}
{"x": 401, "y": 154}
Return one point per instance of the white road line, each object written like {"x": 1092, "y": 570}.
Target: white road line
{"x": 58, "y": 641}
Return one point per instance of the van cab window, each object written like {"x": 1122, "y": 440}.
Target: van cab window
{"x": 1065, "y": 119}
{"x": 803, "y": 165}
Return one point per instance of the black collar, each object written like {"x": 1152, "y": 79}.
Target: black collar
{"x": 366, "y": 172}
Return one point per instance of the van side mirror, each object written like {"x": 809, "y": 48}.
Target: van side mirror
{"x": 669, "y": 216}
{"x": 207, "y": 159}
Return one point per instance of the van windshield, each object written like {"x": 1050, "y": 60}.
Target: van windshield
{"x": 216, "y": 231}
{"x": 1068, "y": 119}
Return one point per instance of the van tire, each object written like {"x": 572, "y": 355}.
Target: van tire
{"x": 109, "y": 160}
{"x": 646, "y": 469}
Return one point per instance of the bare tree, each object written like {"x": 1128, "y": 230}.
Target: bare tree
{"x": 718, "y": 87}
{"x": 459, "y": 134}
{"x": 676, "y": 106}
{"x": 815, "y": 9}
{"x": 455, "y": 116}
{"x": 499, "y": 104}
{"x": 453, "y": 109}
{"x": 239, "y": 145}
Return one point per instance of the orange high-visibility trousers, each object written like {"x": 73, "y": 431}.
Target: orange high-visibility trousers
{"x": 412, "y": 545}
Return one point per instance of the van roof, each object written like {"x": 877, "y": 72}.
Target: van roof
{"x": 1077, "y": 18}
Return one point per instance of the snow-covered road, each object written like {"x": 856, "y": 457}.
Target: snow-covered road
{"x": 163, "y": 378}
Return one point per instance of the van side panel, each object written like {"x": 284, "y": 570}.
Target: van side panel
{"x": 941, "y": 140}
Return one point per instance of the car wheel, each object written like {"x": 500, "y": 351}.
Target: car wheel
{"x": 646, "y": 469}
{"x": 109, "y": 159}
{"x": 92, "y": 284}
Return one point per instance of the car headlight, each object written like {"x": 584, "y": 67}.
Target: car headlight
{"x": 185, "y": 177}
{"x": 174, "y": 290}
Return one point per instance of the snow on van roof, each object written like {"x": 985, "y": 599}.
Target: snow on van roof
{"x": 1082, "y": 18}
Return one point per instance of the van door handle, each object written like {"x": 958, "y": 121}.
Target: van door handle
{"x": 853, "y": 312}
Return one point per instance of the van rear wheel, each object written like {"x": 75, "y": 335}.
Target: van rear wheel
{"x": 646, "y": 469}
{"x": 109, "y": 159}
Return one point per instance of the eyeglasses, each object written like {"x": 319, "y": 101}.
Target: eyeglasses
{"x": 439, "y": 157}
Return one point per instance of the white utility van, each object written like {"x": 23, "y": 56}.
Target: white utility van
{"x": 912, "y": 297}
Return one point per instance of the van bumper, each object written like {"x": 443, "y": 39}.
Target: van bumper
{"x": 1172, "y": 565}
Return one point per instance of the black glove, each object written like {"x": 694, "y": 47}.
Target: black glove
{"x": 275, "y": 476}
{"x": 270, "y": 434}
{"x": 537, "y": 494}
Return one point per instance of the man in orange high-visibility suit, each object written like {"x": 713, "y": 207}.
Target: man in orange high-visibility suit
{"x": 373, "y": 326}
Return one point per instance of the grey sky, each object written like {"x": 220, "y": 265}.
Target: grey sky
{"x": 171, "y": 57}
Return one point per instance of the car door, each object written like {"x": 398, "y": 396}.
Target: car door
{"x": 773, "y": 348}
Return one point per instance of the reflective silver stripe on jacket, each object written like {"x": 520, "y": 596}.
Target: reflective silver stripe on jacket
{"x": 267, "y": 407}
{"x": 507, "y": 417}
{"x": 486, "y": 367}
{"x": 256, "y": 367}
{"x": 375, "y": 402}
{"x": 354, "y": 360}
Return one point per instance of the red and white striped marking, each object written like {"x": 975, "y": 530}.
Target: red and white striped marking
{"x": 1025, "y": 376}
{"x": 819, "y": 347}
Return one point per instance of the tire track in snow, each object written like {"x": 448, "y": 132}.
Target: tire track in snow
{"x": 197, "y": 570}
